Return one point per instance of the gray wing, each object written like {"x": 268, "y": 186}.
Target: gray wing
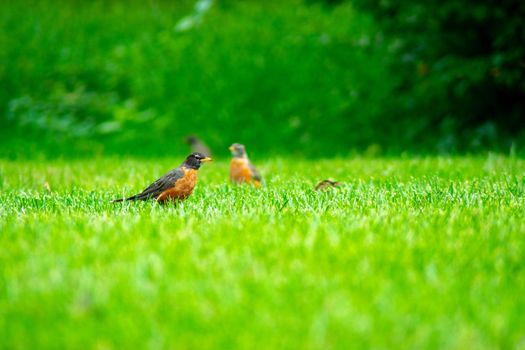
{"x": 255, "y": 173}
{"x": 159, "y": 186}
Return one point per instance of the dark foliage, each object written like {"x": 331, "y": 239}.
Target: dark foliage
{"x": 462, "y": 68}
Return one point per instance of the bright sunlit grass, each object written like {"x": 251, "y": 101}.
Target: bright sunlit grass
{"x": 408, "y": 253}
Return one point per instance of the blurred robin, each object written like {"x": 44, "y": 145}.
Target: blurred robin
{"x": 197, "y": 145}
{"x": 176, "y": 185}
{"x": 327, "y": 183}
{"x": 241, "y": 169}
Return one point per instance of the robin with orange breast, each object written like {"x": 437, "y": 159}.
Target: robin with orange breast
{"x": 176, "y": 185}
{"x": 241, "y": 169}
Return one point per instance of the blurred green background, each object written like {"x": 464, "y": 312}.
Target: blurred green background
{"x": 291, "y": 77}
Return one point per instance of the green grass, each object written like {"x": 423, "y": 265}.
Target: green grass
{"x": 409, "y": 253}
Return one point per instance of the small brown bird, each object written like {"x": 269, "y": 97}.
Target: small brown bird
{"x": 241, "y": 169}
{"x": 176, "y": 185}
{"x": 327, "y": 183}
{"x": 197, "y": 145}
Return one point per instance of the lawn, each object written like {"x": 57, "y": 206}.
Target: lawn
{"x": 408, "y": 253}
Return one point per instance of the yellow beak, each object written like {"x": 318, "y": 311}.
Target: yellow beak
{"x": 207, "y": 159}
{"x": 231, "y": 148}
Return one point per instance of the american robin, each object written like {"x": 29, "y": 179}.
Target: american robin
{"x": 175, "y": 185}
{"x": 241, "y": 169}
{"x": 197, "y": 145}
{"x": 327, "y": 183}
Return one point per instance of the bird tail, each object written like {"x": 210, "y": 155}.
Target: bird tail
{"x": 132, "y": 198}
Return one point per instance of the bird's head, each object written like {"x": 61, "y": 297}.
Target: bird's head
{"x": 191, "y": 139}
{"x": 238, "y": 150}
{"x": 195, "y": 160}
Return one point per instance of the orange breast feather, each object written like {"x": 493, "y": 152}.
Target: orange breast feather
{"x": 240, "y": 170}
{"x": 182, "y": 188}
